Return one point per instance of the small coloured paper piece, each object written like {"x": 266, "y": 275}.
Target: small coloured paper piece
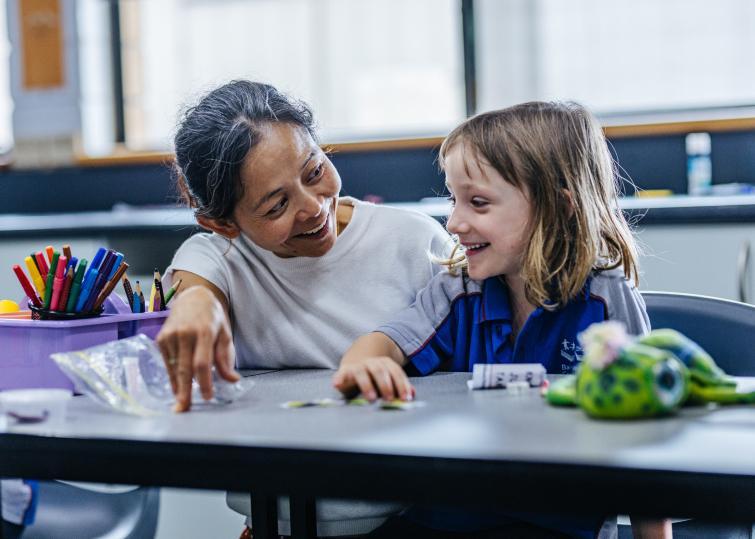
{"x": 499, "y": 376}
{"x": 398, "y": 404}
{"x": 316, "y": 403}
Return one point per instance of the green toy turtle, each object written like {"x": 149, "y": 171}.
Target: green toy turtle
{"x": 623, "y": 378}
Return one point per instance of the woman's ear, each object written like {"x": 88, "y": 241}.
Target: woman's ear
{"x": 227, "y": 229}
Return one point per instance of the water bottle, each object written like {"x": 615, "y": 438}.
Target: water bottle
{"x": 699, "y": 168}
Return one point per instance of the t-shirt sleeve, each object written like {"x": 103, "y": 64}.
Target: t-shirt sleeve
{"x": 201, "y": 256}
{"x": 424, "y": 331}
{"x": 623, "y": 301}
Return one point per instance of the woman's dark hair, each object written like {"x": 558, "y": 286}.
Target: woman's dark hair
{"x": 216, "y": 135}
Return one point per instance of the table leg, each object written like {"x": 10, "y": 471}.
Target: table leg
{"x": 264, "y": 516}
{"x": 303, "y": 518}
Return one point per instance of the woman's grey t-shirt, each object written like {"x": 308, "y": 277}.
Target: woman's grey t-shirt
{"x": 305, "y": 312}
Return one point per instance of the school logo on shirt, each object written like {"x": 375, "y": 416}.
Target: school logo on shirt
{"x": 572, "y": 353}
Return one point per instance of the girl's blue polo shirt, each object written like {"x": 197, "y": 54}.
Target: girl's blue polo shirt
{"x": 455, "y": 323}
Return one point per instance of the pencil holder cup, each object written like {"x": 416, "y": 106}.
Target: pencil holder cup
{"x": 38, "y": 313}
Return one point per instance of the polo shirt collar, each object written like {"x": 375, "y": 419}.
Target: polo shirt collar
{"x": 495, "y": 301}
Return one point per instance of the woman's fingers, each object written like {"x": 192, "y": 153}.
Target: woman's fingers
{"x": 184, "y": 371}
{"x": 202, "y": 361}
{"x": 170, "y": 357}
{"x": 225, "y": 356}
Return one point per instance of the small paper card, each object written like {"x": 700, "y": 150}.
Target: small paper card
{"x": 496, "y": 375}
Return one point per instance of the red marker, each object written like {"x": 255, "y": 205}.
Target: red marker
{"x": 42, "y": 263}
{"x": 57, "y": 284}
{"x": 26, "y": 285}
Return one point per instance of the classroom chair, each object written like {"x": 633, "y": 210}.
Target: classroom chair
{"x": 94, "y": 512}
{"x": 725, "y": 329}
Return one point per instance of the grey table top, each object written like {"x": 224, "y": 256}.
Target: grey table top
{"x": 461, "y": 442}
{"x": 453, "y": 422}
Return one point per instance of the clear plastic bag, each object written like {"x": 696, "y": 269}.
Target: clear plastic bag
{"x": 129, "y": 375}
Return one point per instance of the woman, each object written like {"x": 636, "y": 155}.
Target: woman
{"x": 290, "y": 274}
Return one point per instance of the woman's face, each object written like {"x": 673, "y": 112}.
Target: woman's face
{"x": 290, "y": 194}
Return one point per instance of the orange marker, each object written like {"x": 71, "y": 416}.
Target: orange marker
{"x": 49, "y": 250}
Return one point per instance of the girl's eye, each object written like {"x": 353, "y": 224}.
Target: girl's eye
{"x": 451, "y": 199}
{"x": 478, "y": 202}
{"x": 278, "y": 207}
{"x": 316, "y": 173}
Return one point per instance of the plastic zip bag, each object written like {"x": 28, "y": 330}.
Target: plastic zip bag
{"x": 129, "y": 375}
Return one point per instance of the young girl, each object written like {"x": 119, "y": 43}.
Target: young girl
{"x": 543, "y": 252}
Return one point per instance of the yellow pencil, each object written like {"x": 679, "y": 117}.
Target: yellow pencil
{"x": 36, "y": 278}
{"x": 151, "y": 306}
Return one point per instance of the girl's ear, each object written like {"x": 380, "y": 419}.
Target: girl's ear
{"x": 227, "y": 229}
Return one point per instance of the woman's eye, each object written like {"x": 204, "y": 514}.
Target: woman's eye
{"x": 316, "y": 173}
{"x": 278, "y": 207}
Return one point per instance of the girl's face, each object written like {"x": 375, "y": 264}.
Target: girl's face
{"x": 290, "y": 194}
{"x": 490, "y": 216}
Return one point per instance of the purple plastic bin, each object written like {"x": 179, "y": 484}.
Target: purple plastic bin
{"x": 27, "y": 344}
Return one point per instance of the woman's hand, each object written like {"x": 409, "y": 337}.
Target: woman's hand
{"x": 372, "y": 367}
{"x": 196, "y": 336}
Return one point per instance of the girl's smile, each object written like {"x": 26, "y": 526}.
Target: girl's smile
{"x": 490, "y": 216}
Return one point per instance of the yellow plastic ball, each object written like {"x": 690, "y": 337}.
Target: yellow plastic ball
{"x": 8, "y": 306}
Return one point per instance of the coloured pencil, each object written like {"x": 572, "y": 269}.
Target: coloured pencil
{"x": 139, "y": 298}
{"x": 129, "y": 292}
{"x": 159, "y": 287}
{"x": 171, "y": 291}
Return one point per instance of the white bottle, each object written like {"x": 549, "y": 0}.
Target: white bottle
{"x": 699, "y": 167}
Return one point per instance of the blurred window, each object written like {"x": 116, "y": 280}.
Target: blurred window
{"x": 618, "y": 57}
{"x": 6, "y": 102}
{"x": 369, "y": 68}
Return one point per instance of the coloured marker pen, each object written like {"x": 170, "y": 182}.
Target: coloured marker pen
{"x": 50, "y": 279}
{"x": 58, "y": 282}
{"x": 26, "y": 285}
{"x": 42, "y": 265}
{"x": 50, "y": 252}
{"x": 67, "y": 283}
{"x": 73, "y": 296}
{"x": 116, "y": 265}
{"x": 36, "y": 278}
{"x": 100, "y": 281}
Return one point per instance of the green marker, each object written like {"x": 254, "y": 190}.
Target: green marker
{"x": 51, "y": 279}
{"x": 76, "y": 286}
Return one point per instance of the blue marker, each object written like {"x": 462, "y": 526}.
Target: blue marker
{"x": 72, "y": 263}
{"x": 98, "y": 258}
{"x": 116, "y": 265}
{"x": 99, "y": 282}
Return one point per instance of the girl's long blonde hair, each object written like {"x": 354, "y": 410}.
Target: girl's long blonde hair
{"x": 557, "y": 154}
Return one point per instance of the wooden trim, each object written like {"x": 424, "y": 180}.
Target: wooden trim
{"x": 612, "y": 131}
{"x": 678, "y": 128}
{"x": 127, "y": 158}
{"x": 382, "y": 145}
